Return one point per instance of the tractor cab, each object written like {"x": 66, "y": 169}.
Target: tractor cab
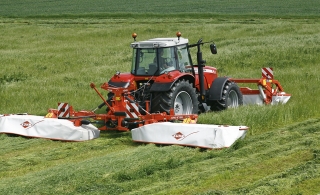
{"x": 160, "y": 55}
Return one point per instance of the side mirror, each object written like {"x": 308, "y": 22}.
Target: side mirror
{"x": 213, "y": 49}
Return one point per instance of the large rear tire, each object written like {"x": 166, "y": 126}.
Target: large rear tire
{"x": 231, "y": 98}
{"x": 182, "y": 98}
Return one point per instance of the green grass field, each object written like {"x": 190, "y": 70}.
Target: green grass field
{"x": 29, "y": 8}
{"x": 51, "y": 51}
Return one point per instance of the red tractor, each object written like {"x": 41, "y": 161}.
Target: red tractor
{"x": 163, "y": 74}
{"x": 165, "y": 85}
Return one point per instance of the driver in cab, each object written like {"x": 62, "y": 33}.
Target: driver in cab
{"x": 162, "y": 61}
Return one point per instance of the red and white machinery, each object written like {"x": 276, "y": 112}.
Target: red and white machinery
{"x": 123, "y": 112}
{"x": 269, "y": 90}
{"x": 165, "y": 85}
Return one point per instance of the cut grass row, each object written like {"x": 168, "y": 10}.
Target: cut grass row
{"x": 285, "y": 160}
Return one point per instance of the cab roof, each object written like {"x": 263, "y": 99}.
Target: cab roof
{"x": 160, "y": 42}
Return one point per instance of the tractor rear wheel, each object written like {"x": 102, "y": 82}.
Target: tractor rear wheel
{"x": 231, "y": 98}
{"x": 182, "y": 98}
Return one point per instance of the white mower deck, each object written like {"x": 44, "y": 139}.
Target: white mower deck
{"x": 48, "y": 128}
{"x": 195, "y": 135}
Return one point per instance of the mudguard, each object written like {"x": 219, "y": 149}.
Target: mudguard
{"x": 161, "y": 85}
{"x": 215, "y": 91}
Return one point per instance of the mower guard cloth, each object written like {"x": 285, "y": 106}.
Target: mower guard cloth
{"x": 48, "y": 128}
{"x": 195, "y": 135}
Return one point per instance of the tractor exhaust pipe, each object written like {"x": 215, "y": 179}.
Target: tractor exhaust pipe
{"x": 201, "y": 64}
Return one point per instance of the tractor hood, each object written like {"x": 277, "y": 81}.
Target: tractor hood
{"x": 121, "y": 80}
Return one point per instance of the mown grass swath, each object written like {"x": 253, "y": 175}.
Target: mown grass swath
{"x": 53, "y": 58}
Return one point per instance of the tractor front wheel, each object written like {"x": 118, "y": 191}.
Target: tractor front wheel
{"x": 231, "y": 98}
{"x": 182, "y": 98}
